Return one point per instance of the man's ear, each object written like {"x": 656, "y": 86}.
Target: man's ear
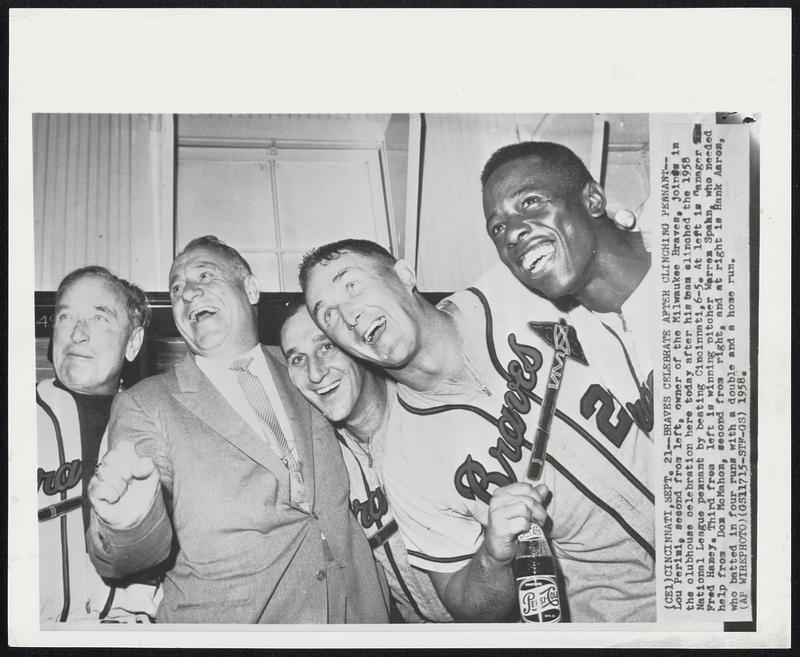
{"x": 134, "y": 343}
{"x": 252, "y": 289}
{"x": 594, "y": 199}
{"x": 405, "y": 272}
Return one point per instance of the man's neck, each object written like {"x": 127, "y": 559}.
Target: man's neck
{"x": 369, "y": 413}
{"x": 621, "y": 263}
{"x": 439, "y": 357}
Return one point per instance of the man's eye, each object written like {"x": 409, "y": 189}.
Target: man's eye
{"x": 206, "y": 275}
{"x": 329, "y": 317}
{"x": 353, "y": 286}
{"x": 99, "y": 318}
{"x": 496, "y": 229}
{"x": 327, "y": 349}
{"x": 175, "y": 290}
{"x": 532, "y": 202}
{"x": 62, "y": 317}
{"x": 296, "y": 361}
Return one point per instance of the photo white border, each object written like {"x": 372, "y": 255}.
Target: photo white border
{"x": 330, "y": 61}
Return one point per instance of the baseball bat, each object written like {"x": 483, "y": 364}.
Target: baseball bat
{"x": 539, "y": 448}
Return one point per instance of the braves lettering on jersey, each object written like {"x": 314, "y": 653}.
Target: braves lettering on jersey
{"x": 460, "y": 442}
{"x": 412, "y": 590}
{"x": 69, "y": 587}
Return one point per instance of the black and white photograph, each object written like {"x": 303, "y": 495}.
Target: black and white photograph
{"x": 324, "y": 355}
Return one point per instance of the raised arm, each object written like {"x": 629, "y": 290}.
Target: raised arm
{"x": 484, "y": 589}
{"x": 129, "y": 529}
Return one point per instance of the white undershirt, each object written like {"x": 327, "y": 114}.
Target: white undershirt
{"x": 225, "y": 380}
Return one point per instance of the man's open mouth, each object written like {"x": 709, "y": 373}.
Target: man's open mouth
{"x": 199, "y": 314}
{"x": 539, "y": 255}
{"x": 374, "y": 330}
{"x": 328, "y": 389}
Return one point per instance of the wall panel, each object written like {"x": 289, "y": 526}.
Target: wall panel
{"x": 103, "y": 195}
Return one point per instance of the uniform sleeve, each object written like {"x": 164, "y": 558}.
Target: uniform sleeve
{"x": 438, "y": 537}
{"x": 118, "y": 553}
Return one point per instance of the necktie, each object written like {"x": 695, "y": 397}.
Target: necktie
{"x": 259, "y": 401}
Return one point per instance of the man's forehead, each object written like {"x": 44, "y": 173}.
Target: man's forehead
{"x": 199, "y": 257}
{"x": 530, "y": 170}
{"x": 94, "y": 291}
{"x": 299, "y": 329}
{"x": 332, "y": 270}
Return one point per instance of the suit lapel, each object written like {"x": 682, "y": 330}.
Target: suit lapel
{"x": 199, "y": 396}
{"x": 298, "y": 410}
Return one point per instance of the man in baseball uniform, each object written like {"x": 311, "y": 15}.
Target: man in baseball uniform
{"x": 357, "y": 398}
{"x": 99, "y": 323}
{"x": 472, "y": 374}
{"x": 547, "y": 219}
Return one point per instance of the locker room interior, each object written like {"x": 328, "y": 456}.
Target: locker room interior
{"x": 127, "y": 191}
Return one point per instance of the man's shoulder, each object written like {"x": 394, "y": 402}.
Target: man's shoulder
{"x": 154, "y": 387}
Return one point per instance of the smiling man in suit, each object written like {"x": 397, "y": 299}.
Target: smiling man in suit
{"x": 222, "y": 471}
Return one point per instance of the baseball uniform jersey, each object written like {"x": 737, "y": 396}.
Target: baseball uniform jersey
{"x": 411, "y": 589}
{"x": 69, "y": 587}
{"x": 462, "y": 440}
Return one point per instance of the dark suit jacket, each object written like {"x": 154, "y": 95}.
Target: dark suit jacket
{"x": 244, "y": 554}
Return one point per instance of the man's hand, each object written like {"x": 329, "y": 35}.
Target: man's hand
{"x": 123, "y": 487}
{"x": 512, "y": 509}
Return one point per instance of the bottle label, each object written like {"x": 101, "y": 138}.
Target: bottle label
{"x": 535, "y": 533}
{"x": 538, "y": 599}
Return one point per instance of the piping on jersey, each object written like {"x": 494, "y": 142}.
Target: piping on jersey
{"x": 385, "y": 545}
{"x": 63, "y": 520}
{"x": 427, "y": 557}
{"x": 523, "y": 442}
{"x": 603, "y": 505}
{"x": 646, "y": 424}
{"x": 567, "y": 475}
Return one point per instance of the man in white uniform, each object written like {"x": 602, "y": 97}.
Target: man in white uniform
{"x": 99, "y": 322}
{"x": 356, "y": 399}
{"x": 472, "y": 374}
{"x": 547, "y": 219}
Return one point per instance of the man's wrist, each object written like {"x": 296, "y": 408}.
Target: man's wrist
{"x": 489, "y": 562}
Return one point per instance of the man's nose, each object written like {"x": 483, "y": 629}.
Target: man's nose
{"x": 316, "y": 370}
{"x": 516, "y": 229}
{"x": 80, "y": 332}
{"x": 190, "y": 291}
{"x": 350, "y": 316}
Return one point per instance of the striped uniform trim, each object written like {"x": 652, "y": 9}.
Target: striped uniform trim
{"x": 382, "y": 535}
{"x": 603, "y": 505}
{"x": 627, "y": 474}
{"x": 583, "y": 489}
{"x": 63, "y": 520}
{"x": 427, "y": 557}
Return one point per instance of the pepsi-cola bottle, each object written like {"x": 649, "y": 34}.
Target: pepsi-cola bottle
{"x": 537, "y": 584}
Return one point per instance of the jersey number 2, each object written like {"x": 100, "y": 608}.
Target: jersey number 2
{"x": 597, "y": 395}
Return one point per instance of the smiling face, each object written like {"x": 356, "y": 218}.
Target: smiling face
{"x": 325, "y": 375}
{"x": 544, "y": 233}
{"x": 212, "y": 304}
{"x": 92, "y": 336}
{"x": 366, "y": 307}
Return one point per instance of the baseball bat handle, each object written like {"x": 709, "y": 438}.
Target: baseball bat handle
{"x": 60, "y": 508}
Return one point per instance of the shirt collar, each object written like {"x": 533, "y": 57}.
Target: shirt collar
{"x": 223, "y": 365}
